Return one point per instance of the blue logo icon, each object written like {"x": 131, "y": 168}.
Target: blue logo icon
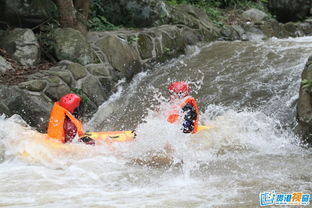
{"x": 296, "y": 198}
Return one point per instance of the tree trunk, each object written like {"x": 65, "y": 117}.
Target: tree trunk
{"x": 83, "y": 10}
{"x": 74, "y": 13}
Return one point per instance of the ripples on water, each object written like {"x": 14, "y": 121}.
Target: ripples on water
{"x": 246, "y": 90}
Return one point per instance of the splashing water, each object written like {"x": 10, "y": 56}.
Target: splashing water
{"x": 245, "y": 90}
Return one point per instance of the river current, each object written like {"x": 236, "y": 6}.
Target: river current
{"x": 246, "y": 91}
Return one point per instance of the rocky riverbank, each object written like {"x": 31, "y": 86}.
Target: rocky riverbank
{"x": 93, "y": 64}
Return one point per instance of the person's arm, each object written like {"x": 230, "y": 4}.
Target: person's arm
{"x": 70, "y": 130}
{"x": 189, "y": 118}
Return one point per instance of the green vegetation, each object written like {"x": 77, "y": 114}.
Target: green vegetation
{"x": 216, "y": 9}
{"x": 96, "y": 21}
{"x": 307, "y": 84}
{"x": 132, "y": 39}
{"x": 220, "y": 3}
{"x": 46, "y": 40}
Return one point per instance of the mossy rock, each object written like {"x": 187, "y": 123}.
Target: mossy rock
{"x": 33, "y": 85}
{"x": 77, "y": 70}
{"x": 145, "y": 46}
{"x": 71, "y": 45}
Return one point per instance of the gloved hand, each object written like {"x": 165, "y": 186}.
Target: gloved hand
{"x": 87, "y": 140}
{"x": 187, "y": 126}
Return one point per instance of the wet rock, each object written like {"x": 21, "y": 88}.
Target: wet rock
{"x": 240, "y": 31}
{"x": 121, "y": 56}
{"x": 55, "y": 92}
{"x": 94, "y": 90}
{"x": 33, "y": 108}
{"x": 33, "y": 85}
{"x": 304, "y": 107}
{"x": 190, "y": 37}
{"x": 22, "y": 46}
{"x": 306, "y": 28}
{"x": 254, "y": 34}
{"x": 26, "y": 13}
{"x": 108, "y": 84}
{"x": 254, "y": 15}
{"x": 191, "y": 16}
{"x": 290, "y": 10}
{"x": 63, "y": 74}
{"x": 145, "y": 46}
{"x": 304, "y": 104}
{"x": 291, "y": 29}
{"x": 4, "y": 109}
{"x": 71, "y": 45}
{"x": 54, "y": 80}
{"x": 77, "y": 70}
{"x": 271, "y": 28}
{"x": 158, "y": 47}
{"x": 230, "y": 33}
{"x": 4, "y": 65}
{"x": 135, "y": 13}
{"x": 100, "y": 69}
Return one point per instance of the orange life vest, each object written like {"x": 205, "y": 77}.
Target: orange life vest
{"x": 57, "y": 117}
{"x": 174, "y": 115}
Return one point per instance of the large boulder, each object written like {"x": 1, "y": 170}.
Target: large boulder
{"x": 304, "y": 103}
{"x": 22, "y": 46}
{"x": 195, "y": 18}
{"x": 124, "y": 58}
{"x": 135, "y": 13}
{"x": 4, "y": 65}
{"x": 254, "y": 15}
{"x": 71, "y": 45}
{"x": 33, "y": 108}
{"x": 290, "y": 10}
{"x": 26, "y": 13}
{"x": 189, "y": 15}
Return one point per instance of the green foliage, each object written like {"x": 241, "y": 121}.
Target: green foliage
{"x": 215, "y": 15}
{"x": 214, "y": 8}
{"x": 132, "y": 39}
{"x": 85, "y": 104}
{"x": 98, "y": 22}
{"x": 175, "y": 2}
{"x": 307, "y": 84}
{"x": 219, "y": 3}
{"x": 84, "y": 99}
{"x": 46, "y": 40}
{"x": 167, "y": 50}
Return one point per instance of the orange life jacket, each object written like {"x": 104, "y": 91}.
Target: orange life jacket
{"x": 174, "y": 115}
{"x": 57, "y": 117}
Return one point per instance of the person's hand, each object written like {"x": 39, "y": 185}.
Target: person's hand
{"x": 87, "y": 140}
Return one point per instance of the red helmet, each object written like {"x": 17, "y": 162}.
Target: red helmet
{"x": 179, "y": 88}
{"x": 70, "y": 102}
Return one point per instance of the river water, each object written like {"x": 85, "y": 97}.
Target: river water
{"x": 246, "y": 90}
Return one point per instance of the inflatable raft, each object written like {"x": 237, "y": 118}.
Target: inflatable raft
{"x": 40, "y": 147}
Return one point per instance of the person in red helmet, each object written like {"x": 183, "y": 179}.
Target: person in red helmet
{"x": 64, "y": 122}
{"x": 184, "y": 106}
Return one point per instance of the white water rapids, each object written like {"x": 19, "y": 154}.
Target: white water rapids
{"x": 246, "y": 90}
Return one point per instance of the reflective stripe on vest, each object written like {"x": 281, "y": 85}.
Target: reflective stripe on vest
{"x": 174, "y": 115}
{"x": 56, "y": 123}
